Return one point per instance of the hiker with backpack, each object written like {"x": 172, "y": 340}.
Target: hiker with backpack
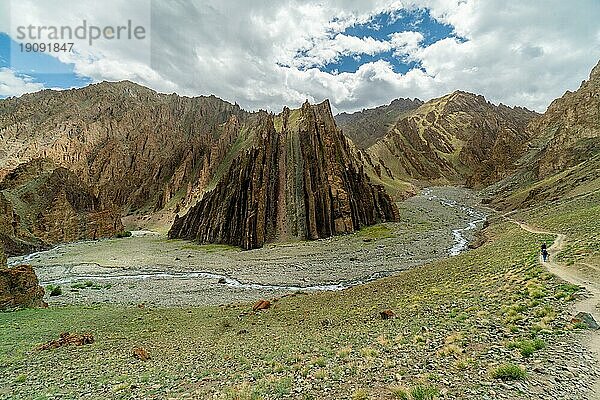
{"x": 544, "y": 252}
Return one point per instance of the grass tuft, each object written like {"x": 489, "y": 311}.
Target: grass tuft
{"x": 509, "y": 372}
{"x": 54, "y": 290}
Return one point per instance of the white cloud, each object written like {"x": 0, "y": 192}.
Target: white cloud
{"x": 329, "y": 50}
{"x": 519, "y": 53}
{"x": 406, "y": 43}
{"x": 13, "y": 85}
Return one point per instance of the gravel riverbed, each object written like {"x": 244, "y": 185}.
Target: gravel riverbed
{"x": 149, "y": 268}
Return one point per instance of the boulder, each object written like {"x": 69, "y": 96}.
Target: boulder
{"x": 19, "y": 288}
{"x": 68, "y": 339}
{"x": 140, "y": 353}
{"x": 261, "y": 305}
{"x": 387, "y": 314}
{"x": 587, "y": 319}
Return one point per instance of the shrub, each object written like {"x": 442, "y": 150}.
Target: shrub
{"x": 400, "y": 393}
{"x": 360, "y": 394}
{"x": 527, "y": 347}
{"x": 424, "y": 392}
{"x": 78, "y": 285}
{"x": 419, "y": 392}
{"x": 123, "y": 234}
{"x": 54, "y": 290}
{"x": 509, "y": 372}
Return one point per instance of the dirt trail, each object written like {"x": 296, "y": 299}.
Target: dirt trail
{"x": 577, "y": 277}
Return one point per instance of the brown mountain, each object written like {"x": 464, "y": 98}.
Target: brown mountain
{"x": 126, "y": 149}
{"x": 132, "y": 149}
{"x": 369, "y": 125}
{"x": 297, "y": 180}
{"x": 41, "y": 204}
{"x": 138, "y": 149}
{"x": 563, "y": 156}
{"x": 457, "y": 138}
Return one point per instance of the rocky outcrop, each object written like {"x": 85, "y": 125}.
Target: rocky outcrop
{"x": 19, "y": 288}
{"x": 572, "y": 128}
{"x": 68, "y": 339}
{"x": 459, "y": 137}
{"x": 43, "y": 204}
{"x": 298, "y": 180}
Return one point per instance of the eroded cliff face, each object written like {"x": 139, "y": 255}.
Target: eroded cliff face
{"x": 133, "y": 152}
{"x": 459, "y": 137}
{"x": 572, "y": 125}
{"x": 2, "y": 258}
{"x": 297, "y": 180}
{"x": 137, "y": 149}
{"x": 42, "y": 204}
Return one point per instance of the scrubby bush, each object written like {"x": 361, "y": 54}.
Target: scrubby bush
{"x": 54, "y": 290}
{"x": 424, "y": 392}
{"x": 124, "y": 234}
{"x": 509, "y": 372}
{"x": 527, "y": 347}
{"x": 419, "y": 392}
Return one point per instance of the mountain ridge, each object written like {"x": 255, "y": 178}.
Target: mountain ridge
{"x": 140, "y": 151}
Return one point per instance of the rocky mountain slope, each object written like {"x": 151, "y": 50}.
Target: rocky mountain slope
{"x": 42, "y": 204}
{"x": 563, "y": 157}
{"x": 297, "y": 180}
{"x": 138, "y": 149}
{"x": 456, "y": 138}
{"x": 572, "y": 123}
{"x": 367, "y": 126}
{"x": 131, "y": 150}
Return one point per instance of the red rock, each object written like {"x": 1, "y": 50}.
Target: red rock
{"x": 68, "y": 339}
{"x": 261, "y": 305}
{"x": 140, "y": 353}
{"x": 387, "y": 314}
{"x": 19, "y": 288}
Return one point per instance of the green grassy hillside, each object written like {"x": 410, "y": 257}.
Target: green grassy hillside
{"x": 458, "y": 321}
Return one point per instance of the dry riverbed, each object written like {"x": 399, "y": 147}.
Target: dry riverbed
{"x": 149, "y": 268}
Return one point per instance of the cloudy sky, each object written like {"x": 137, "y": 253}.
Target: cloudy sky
{"x": 267, "y": 54}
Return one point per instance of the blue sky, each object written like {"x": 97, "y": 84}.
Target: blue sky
{"x": 38, "y": 67}
{"x": 380, "y": 27}
{"x": 49, "y": 71}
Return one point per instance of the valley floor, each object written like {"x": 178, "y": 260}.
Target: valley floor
{"x": 490, "y": 323}
{"x": 148, "y": 268}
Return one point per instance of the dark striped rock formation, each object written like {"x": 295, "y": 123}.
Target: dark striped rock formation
{"x": 297, "y": 180}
